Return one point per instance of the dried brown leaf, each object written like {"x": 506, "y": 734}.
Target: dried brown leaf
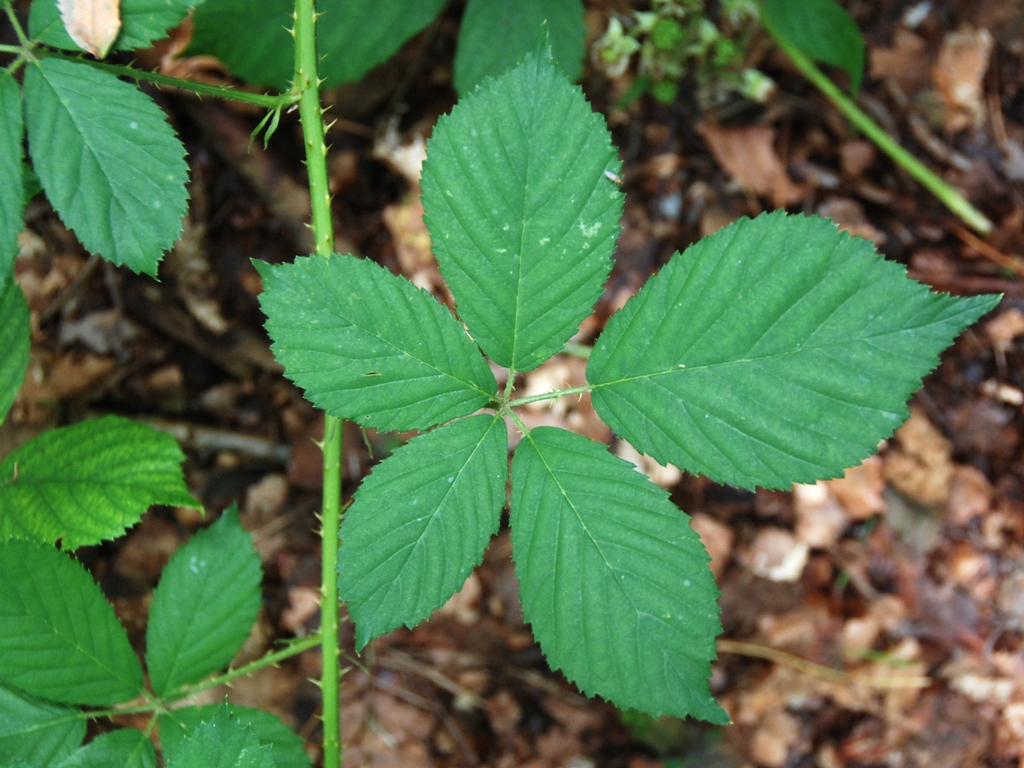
{"x": 748, "y": 153}
{"x": 92, "y": 24}
{"x": 959, "y": 73}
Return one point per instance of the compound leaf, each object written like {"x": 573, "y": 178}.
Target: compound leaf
{"x": 778, "y": 350}
{"x": 12, "y": 200}
{"x": 109, "y": 162}
{"x": 369, "y": 346}
{"x": 353, "y": 37}
{"x": 61, "y": 639}
{"x": 522, "y": 214}
{"x": 14, "y": 340}
{"x": 204, "y": 606}
{"x": 223, "y": 742}
{"x": 38, "y": 732}
{"x": 123, "y": 748}
{"x": 495, "y": 35}
{"x": 822, "y": 30}
{"x": 421, "y": 522}
{"x": 89, "y": 481}
{"x": 613, "y": 580}
{"x": 286, "y": 746}
{"x": 142, "y": 22}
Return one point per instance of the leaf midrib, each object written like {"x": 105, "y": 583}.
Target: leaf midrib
{"x": 683, "y": 368}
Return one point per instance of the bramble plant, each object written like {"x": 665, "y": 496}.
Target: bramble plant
{"x": 775, "y": 351}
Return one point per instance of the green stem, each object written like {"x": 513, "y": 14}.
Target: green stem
{"x": 952, "y": 199}
{"x": 519, "y": 423}
{"x": 307, "y": 85}
{"x": 292, "y": 649}
{"x": 330, "y": 678}
{"x": 549, "y": 395}
{"x": 577, "y": 350}
{"x": 95, "y": 714}
{"x": 10, "y": 49}
{"x": 223, "y": 92}
{"x": 18, "y": 30}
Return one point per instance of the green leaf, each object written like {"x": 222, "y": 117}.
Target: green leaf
{"x": 778, "y": 350}
{"x": 287, "y": 748}
{"x": 496, "y": 34}
{"x": 264, "y": 55}
{"x": 369, "y": 346}
{"x": 353, "y": 36}
{"x": 60, "y": 638}
{"x": 205, "y": 605}
{"x": 89, "y": 482}
{"x": 613, "y": 580}
{"x": 109, "y": 162}
{"x": 420, "y": 524}
{"x": 12, "y": 201}
{"x": 29, "y": 183}
{"x": 223, "y": 742}
{"x": 14, "y": 340}
{"x": 822, "y": 30}
{"x": 142, "y": 22}
{"x": 123, "y": 748}
{"x": 36, "y": 731}
{"x": 522, "y": 215}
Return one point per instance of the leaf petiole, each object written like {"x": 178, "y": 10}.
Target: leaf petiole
{"x": 18, "y": 30}
{"x": 292, "y": 649}
{"x": 266, "y": 100}
{"x": 550, "y": 395}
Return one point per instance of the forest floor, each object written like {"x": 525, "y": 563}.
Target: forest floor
{"x": 874, "y": 620}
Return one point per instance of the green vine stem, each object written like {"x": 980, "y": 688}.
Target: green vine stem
{"x": 29, "y": 49}
{"x": 952, "y": 199}
{"x": 266, "y": 100}
{"x": 293, "y": 648}
{"x": 307, "y": 86}
{"x": 553, "y": 395}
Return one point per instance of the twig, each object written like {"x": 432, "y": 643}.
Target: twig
{"x": 989, "y": 252}
{"x": 819, "y": 670}
{"x": 202, "y": 438}
{"x": 399, "y": 661}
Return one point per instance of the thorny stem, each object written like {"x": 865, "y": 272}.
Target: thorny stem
{"x": 258, "y": 99}
{"x": 30, "y": 49}
{"x": 519, "y": 423}
{"x": 155, "y": 705}
{"x": 549, "y": 395}
{"x": 292, "y": 649}
{"x": 952, "y": 199}
{"x": 307, "y": 85}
